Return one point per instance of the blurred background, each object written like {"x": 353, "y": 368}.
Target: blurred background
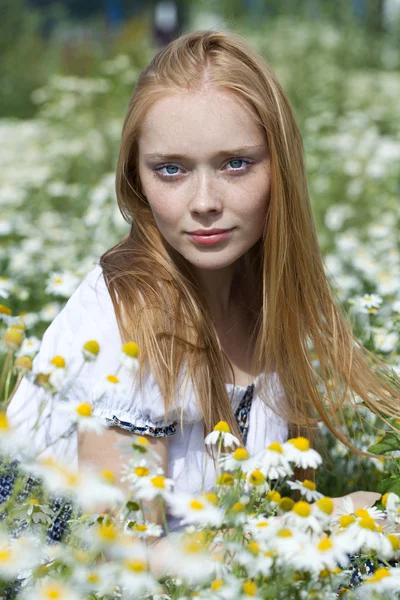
{"x": 67, "y": 70}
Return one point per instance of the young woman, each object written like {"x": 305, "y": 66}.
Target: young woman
{"x": 220, "y": 281}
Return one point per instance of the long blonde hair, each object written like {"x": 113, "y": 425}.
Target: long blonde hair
{"x": 297, "y": 318}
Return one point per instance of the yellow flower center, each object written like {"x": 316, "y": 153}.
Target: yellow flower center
{"x": 301, "y": 443}
{"x": 216, "y": 584}
{"x": 211, "y": 497}
{"x": 241, "y": 454}
{"x": 303, "y": 509}
{"x": 394, "y": 540}
{"x": 52, "y": 593}
{"x": 140, "y": 527}
{"x": 5, "y": 310}
{"x": 256, "y": 477}
{"x": 5, "y": 555}
{"x": 33, "y": 501}
{"x": 274, "y": 496}
{"x": 196, "y": 505}
{"x": 92, "y": 346}
{"x": 158, "y": 481}
{"x": 142, "y": 440}
{"x": 275, "y": 447}
{"x": 378, "y": 575}
{"x": 23, "y": 362}
{"x": 58, "y": 361}
{"x": 13, "y": 338}
{"x": 92, "y": 578}
{"x": 385, "y": 499}
{"x": 58, "y": 280}
{"x": 225, "y": 479}
{"x": 238, "y": 506}
{"x": 362, "y": 513}
{"x": 309, "y": 485}
{"x": 254, "y": 548}
{"x": 284, "y": 533}
{"x": 261, "y": 524}
{"x": 346, "y": 520}
{"x": 222, "y": 426}
{"x": 141, "y": 471}
{"x": 112, "y": 379}
{"x": 131, "y": 349}
{"x": 367, "y": 523}
{"x": 3, "y": 421}
{"x": 250, "y": 588}
{"x": 325, "y": 545}
{"x": 137, "y": 566}
{"x": 325, "y": 505}
{"x": 286, "y": 504}
{"x": 84, "y": 409}
{"x": 107, "y": 532}
{"x": 108, "y": 475}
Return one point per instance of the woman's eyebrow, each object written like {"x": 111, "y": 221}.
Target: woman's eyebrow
{"x": 220, "y": 154}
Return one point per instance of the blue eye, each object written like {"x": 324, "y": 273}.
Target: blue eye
{"x": 171, "y": 170}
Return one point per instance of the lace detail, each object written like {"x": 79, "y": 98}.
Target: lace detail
{"x": 151, "y": 430}
{"x": 242, "y": 413}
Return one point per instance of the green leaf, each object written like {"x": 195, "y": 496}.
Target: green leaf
{"x": 389, "y": 443}
{"x": 390, "y": 484}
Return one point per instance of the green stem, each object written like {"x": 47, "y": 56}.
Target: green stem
{"x": 6, "y": 368}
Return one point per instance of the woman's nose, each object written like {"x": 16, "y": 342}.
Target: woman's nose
{"x": 205, "y": 196}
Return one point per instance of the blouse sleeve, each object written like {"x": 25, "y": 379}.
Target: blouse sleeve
{"x": 88, "y": 315}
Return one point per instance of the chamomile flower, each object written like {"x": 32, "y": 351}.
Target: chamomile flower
{"x": 298, "y": 451}
{"x": 194, "y": 509}
{"x": 255, "y": 480}
{"x": 273, "y": 462}
{"x": 221, "y": 432}
{"x": 302, "y": 517}
{"x": 148, "y": 488}
{"x": 143, "y": 530}
{"x": 111, "y": 384}
{"x": 306, "y": 488}
{"x": 30, "y": 346}
{"x": 81, "y": 415}
{"x": 323, "y": 510}
{"x": 48, "y": 589}
{"x": 368, "y": 303}
{"x": 188, "y": 558}
{"x": 256, "y": 559}
{"x": 362, "y": 532}
{"x": 62, "y": 284}
{"x": 383, "y": 581}
{"x": 134, "y": 575}
{"x": 239, "y": 459}
{"x": 129, "y": 356}
{"x": 323, "y": 554}
{"x": 391, "y": 502}
{"x": 91, "y": 350}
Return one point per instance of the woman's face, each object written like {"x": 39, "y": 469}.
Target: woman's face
{"x": 204, "y": 164}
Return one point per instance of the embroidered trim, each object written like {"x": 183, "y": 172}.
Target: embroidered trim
{"x": 242, "y": 413}
{"x": 151, "y": 430}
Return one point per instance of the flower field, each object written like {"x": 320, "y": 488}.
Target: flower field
{"x": 243, "y": 540}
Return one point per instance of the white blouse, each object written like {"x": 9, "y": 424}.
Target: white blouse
{"x": 89, "y": 315}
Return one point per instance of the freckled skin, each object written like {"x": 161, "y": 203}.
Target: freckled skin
{"x": 205, "y": 190}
